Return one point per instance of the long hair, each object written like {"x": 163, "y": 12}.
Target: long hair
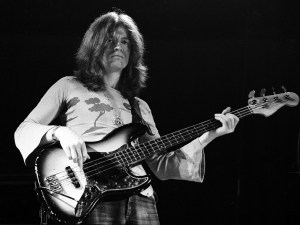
{"x": 89, "y": 55}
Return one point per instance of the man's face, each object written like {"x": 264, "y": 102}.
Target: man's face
{"x": 116, "y": 55}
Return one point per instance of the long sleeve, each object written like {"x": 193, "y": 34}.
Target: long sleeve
{"x": 30, "y": 132}
{"x": 186, "y": 163}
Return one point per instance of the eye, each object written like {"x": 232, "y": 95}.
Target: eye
{"x": 125, "y": 42}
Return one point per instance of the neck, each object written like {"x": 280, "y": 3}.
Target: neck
{"x": 111, "y": 79}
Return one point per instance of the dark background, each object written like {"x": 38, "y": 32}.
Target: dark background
{"x": 203, "y": 56}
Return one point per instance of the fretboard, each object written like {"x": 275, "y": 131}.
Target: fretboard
{"x": 144, "y": 150}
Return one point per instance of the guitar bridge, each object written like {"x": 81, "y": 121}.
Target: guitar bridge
{"x": 53, "y": 184}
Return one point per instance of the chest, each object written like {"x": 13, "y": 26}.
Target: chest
{"x": 97, "y": 108}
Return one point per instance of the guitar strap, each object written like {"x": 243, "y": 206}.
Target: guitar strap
{"x": 137, "y": 115}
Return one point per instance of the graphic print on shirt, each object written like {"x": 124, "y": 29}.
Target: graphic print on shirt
{"x": 97, "y": 107}
{"x": 72, "y": 103}
{"x": 127, "y": 106}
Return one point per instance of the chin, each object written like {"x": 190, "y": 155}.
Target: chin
{"x": 119, "y": 66}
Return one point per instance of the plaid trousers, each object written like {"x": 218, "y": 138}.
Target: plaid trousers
{"x": 134, "y": 210}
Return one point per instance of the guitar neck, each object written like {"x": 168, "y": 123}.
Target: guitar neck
{"x": 144, "y": 150}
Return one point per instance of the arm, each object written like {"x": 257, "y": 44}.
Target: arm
{"x": 35, "y": 131}
{"x": 229, "y": 122}
{"x": 188, "y": 162}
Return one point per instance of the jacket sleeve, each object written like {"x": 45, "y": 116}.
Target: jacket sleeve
{"x": 185, "y": 163}
{"x": 30, "y": 132}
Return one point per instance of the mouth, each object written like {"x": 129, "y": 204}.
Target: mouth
{"x": 117, "y": 56}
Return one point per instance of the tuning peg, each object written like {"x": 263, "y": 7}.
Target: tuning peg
{"x": 283, "y": 88}
{"x": 263, "y": 92}
{"x": 251, "y": 94}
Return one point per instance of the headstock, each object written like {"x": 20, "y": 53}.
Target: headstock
{"x": 267, "y": 105}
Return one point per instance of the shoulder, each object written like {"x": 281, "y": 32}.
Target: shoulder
{"x": 144, "y": 107}
{"x": 147, "y": 114}
{"x": 63, "y": 86}
{"x": 67, "y": 82}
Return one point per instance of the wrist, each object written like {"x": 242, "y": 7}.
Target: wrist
{"x": 54, "y": 134}
{"x": 206, "y": 138}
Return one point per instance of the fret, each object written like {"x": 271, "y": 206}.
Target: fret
{"x": 150, "y": 146}
{"x": 190, "y": 133}
{"x": 168, "y": 141}
{"x": 126, "y": 156}
{"x": 121, "y": 155}
{"x": 238, "y": 114}
{"x": 194, "y": 132}
{"x": 141, "y": 151}
{"x": 249, "y": 109}
{"x": 130, "y": 154}
{"x": 141, "y": 154}
{"x": 173, "y": 137}
{"x": 120, "y": 159}
{"x": 212, "y": 125}
{"x": 160, "y": 144}
{"x": 136, "y": 154}
{"x": 179, "y": 137}
{"x": 205, "y": 126}
{"x": 144, "y": 148}
{"x": 147, "y": 147}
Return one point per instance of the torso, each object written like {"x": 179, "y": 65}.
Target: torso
{"x": 91, "y": 114}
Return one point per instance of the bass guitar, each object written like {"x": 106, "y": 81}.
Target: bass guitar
{"x": 69, "y": 194}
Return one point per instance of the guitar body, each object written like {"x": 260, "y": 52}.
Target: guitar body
{"x": 69, "y": 194}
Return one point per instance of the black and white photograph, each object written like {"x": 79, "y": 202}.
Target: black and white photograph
{"x": 150, "y": 112}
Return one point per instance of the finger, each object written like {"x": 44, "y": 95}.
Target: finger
{"x": 84, "y": 152}
{"x": 221, "y": 118}
{"x": 68, "y": 153}
{"x": 227, "y": 110}
{"x": 234, "y": 119}
{"x": 74, "y": 154}
{"x": 230, "y": 120}
{"x": 226, "y": 120}
{"x": 79, "y": 155}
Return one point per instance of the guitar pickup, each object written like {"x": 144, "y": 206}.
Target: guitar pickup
{"x": 73, "y": 178}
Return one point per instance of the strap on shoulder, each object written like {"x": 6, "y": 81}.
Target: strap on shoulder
{"x": 137, "y": 115}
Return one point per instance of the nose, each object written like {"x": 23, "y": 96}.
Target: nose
{"x": 117, "y": 47}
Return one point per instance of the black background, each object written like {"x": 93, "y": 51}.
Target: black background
{"x": 203, "y": 55}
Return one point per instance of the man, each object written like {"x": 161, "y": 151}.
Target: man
{"x": 97, "y": 100}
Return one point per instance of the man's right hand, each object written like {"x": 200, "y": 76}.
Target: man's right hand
{"x": 72, "y": 144}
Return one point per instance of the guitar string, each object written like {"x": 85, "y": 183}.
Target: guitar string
{"x": 241, "y": 112}
{"x": 89, "y": 172}
{"x": 201, "y": 124}
{"x": 248, "y": 111}
{"x": 83, "y": 177}
{"x": 92, "y": 163}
